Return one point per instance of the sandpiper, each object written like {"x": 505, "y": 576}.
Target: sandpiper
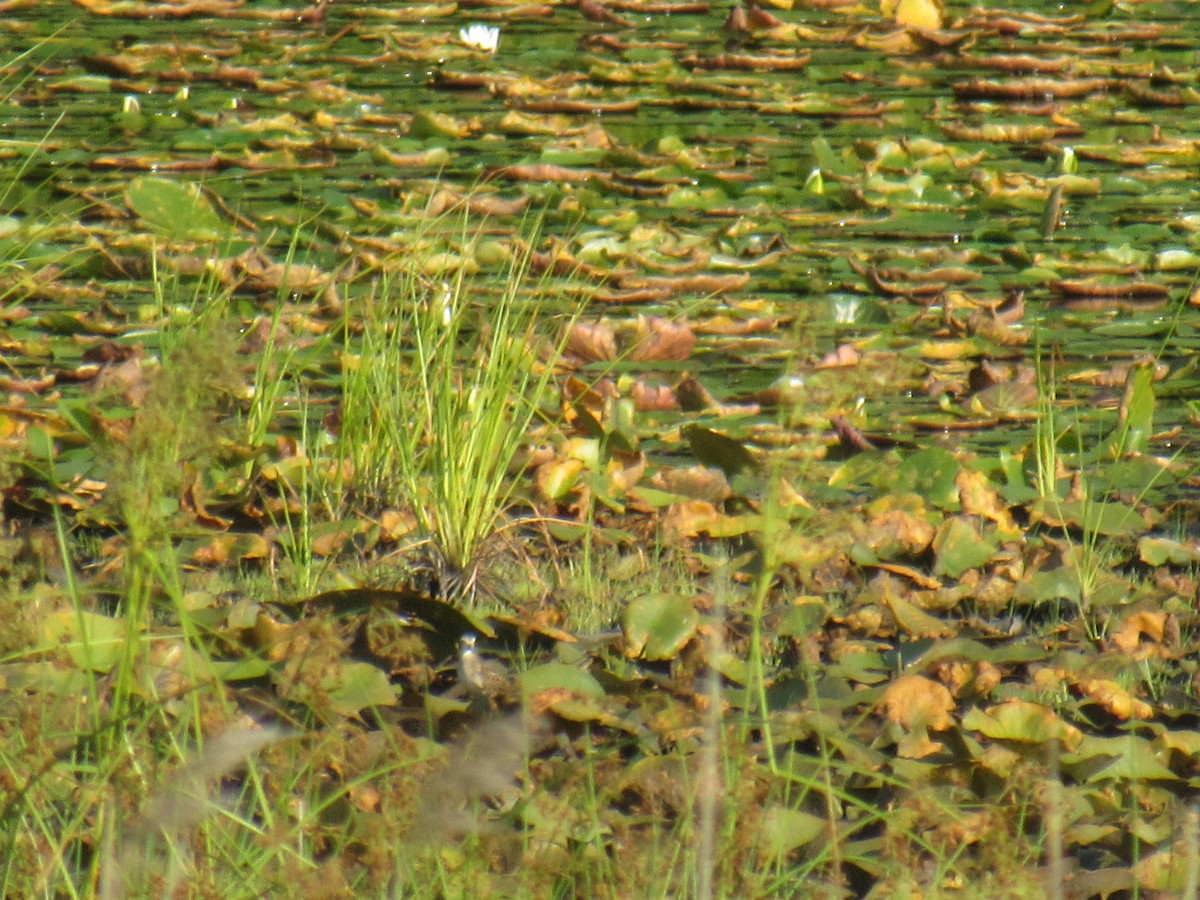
{"x": 481, "y": 677}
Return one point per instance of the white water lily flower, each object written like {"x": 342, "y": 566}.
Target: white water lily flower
{"x": 480, "y": 37}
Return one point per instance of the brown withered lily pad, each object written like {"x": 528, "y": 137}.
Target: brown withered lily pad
{"x": 746, "y": 63}
{"x": 1031, "y": 88}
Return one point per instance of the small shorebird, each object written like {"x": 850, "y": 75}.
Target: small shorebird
{"x": 482, "y": 678}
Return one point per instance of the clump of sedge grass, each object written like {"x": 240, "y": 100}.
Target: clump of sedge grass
{"x": 438, "y": 397}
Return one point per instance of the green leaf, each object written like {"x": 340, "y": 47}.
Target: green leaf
{"x": 562, "y": 676}
{"x": 715, "y": 449}
{"x": 354, "y": 686}
{"x": 1137, "y": 762}
{"x": 1059, "y": 583}
{"x": 173, "y": 210}
{"x": 806, "y": 615}
{"x": 657, "y": 626}
{"x": 1107, "y": 519}
{"x": 93, "y": 641}
{"x": 1132, "y": 434}
{"x": 240, "y": 669}
{"x": 960, "y": 548}
{"x": 1017, "y": 720}
{"x": 930, "y": 474}
{"x": 785, "y": 829}
{"x": 587, "y": 710}
{"x": 1161, "y": 551}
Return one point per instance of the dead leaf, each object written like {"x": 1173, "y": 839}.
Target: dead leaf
{"x": 657, "y": 340}
{"x": 1114, "y": 698}
{"x": 591, "y": 342}
{"x": 913, "y": 701}
{"x": 652, "y": 399}
{"x": 844, "y": 356}
{"x": 980, "y": 498}
{"x": 699, "y": 482}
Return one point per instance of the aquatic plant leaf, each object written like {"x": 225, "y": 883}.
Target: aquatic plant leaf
{"x": 1169, "y": 871}
{"x": 719, "y": 450}
{"x": 914, "y": 701}
{"x": 1022, "y": 721}
{"x": 1133, "y": 759}
{"x": 560, "y": 676}
{"x": 913, "y": 620}
{"x": 960, "y": 547}
{"x": 1113, "y": 698}
{"x": 576, "y": 709}
{"x": 1155, "y": 551}
{"x": 661, "y": 339}
{"x": 248, "y": 669}
{"x": 93, "y": 641}
{"x": 926, "y": 14}
{"x": 1146, "y": 630}
{"x": 931, "y": 474}
{"x": 785, "y": 829}
{"x": 355, "y": 686}
{"x": 1108, "y": 518}
{"x": 1136, "y": 421}
{"x": 1059, "y": 583}
{"x": 658, "y": 626}
{"x": 176, "y": 211}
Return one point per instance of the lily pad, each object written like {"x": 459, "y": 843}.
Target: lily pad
{"x": 931, "y": 474}
{"x": 560, "y": 676}
{"x": 175, "y": 211}
{"x": 355, "y": 686}
{"x": 658, "y": 626}
{"x": 784, "y": 830}
{"x": 960, "y": 547}
{"x": 94, "y": 642}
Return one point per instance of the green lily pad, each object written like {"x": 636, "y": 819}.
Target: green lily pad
{"x": 355, "y": 686}
{"x": 806, "y": 615}
{"x": 93, "y": 641}
{"x": 931, "y": 474}
{"x": 715, "y": 449}
{"x": 176, "y": 211}
{"x": 658, "y": 626}
{"x": 1138, "y": 761}
{"x": 1017, "y": 720}
{"x": 960, "y": 547}
{"x": 1108, "y": 518}
{"x": 784, "y": 830}
{"x": 552, "y": 675}
{"x": 587, "y": 710}
{"x": 1162, "y": 551}
{"x": 245, "y": 669}
{"x": 1059, "y": 583}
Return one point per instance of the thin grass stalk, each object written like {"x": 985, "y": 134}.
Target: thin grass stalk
{"x": 1053, "y": 812}
{"x": 711, "y": 784}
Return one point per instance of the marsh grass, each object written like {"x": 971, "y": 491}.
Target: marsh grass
{"x": 186, "y": 797}
{"x": 439, "y": 393}
{"x": 155, "y": 783}
{"x": 1069, "y": 473}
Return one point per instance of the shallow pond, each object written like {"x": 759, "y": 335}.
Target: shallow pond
{"x": 977, "y": 217}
